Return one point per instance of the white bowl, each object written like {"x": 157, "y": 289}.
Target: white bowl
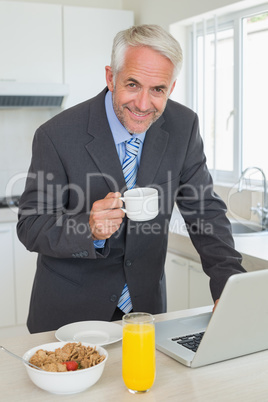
{"x": 69, "y": 382}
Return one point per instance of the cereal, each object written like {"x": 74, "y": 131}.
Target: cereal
{"x": 85, "y": 356}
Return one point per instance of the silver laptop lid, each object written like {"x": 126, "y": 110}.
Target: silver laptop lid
{"x": 238, "y": 326}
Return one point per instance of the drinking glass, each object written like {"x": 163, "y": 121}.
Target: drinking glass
{"x": 138, "y": 352}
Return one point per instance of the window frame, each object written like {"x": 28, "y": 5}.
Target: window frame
{"x": 233, "y": 20}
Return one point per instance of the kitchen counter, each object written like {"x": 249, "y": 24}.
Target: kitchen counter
{"x": 242, "y": 379}
{"x": 8, "y": 214}
{"x": 254, "y": 246}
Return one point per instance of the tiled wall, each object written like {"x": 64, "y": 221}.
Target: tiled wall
{"x": 239, "y": 203}
{"x": 17, "y": 128}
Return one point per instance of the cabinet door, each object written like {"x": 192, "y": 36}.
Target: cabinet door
{"x": 25, "y": 267}
{"x": 199, "y": 291}
{"x": 7, "y": 291}
{"x": 88, "y": 38}
{"x": 176, "y": 269}
{"x": 31, "y": 42}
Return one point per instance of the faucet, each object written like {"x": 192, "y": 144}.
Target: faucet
{"x": 262, "y": 211}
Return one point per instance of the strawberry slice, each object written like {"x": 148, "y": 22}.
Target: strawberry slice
{"x": 71, "y": 365}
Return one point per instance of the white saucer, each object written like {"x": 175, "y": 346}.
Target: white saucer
{"x": 94, "y": 332}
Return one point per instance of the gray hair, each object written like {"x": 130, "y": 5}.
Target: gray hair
{"x": 152, "y": 36}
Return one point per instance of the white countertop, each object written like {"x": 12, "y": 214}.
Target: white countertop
{"x": 253, "y": 245}
{"x": 8, "y": 214}
{"x": 243, "y": 379}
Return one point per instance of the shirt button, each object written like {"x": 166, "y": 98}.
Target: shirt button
{"x": 113, "y": 298}
{"x": 128, "y": 263}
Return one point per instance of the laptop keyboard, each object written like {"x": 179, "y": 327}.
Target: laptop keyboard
{"x": 189, "y": 341}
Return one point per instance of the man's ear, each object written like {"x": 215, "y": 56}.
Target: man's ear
{"x": 109, "y": 78}
{"x": 173, "y": 86}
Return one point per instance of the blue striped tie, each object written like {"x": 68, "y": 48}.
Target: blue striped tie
{"x": 130, "y": 163}
{"x": 130, "y": 168}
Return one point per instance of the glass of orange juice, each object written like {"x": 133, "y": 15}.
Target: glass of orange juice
{"x": 138, "y": 352}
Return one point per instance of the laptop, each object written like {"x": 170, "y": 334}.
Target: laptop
{"x": 238, "y": 326}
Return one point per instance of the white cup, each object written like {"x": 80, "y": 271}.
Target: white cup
{"x": 141, "y": 204}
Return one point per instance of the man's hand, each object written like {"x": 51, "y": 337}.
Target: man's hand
{"x": 215, "y": 305}
{"x": 106, "y": 216}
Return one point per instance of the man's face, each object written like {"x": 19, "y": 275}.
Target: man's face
{"x": 141, "y": 89}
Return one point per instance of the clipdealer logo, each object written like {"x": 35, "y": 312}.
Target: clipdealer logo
{"x": 66, "y": 202}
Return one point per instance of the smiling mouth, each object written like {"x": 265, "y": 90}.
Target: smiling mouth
{"x": 141, "y": 115}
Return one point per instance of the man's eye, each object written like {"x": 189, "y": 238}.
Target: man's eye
{"x": 132, "y": 85}
{"x": 159, "y": 90}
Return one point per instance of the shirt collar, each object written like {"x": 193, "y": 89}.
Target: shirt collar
{"x": 119, "y": 132}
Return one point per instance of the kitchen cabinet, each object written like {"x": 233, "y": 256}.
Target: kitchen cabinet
{"x": 25, "y": 267}
{"x": 17, "y": 271}
{"x": 199, "y": 290}
{"x": 31, "y": 42}
{"x": 187, "y": 284}
{"x": 55, "y": 44}
{"x": 177, "y": 280}
{"x": 88, "y": 38}
{"x": 7, "y": 288}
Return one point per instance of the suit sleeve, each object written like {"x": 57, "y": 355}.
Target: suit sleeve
{"x": 47, "y": 224}
{"x": 205, "y": 217}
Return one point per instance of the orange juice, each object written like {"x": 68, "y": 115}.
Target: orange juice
{"x": 138, "y": 356}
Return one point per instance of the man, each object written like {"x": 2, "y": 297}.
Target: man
{"x": 70, "y": 212}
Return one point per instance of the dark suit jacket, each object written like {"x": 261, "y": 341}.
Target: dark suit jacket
{"x": 75, "y": 163}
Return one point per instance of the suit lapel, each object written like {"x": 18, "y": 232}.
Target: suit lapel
{"x": 153, "y": 151}
{"x": 101, "y": 146}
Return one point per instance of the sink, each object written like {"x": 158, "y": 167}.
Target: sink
{"x": 247, "y": 229}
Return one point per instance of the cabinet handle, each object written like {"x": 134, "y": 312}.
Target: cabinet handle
{"x": 182, "y": 264}
{"x": 192, "y": 268}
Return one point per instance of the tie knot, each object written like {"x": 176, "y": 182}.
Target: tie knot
{"x": 133, "y": 145}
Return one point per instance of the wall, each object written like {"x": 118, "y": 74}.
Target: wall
{"x": 166, "y": 12}
{"x": 162, "y": 12}
{"x": 17, "y": 127}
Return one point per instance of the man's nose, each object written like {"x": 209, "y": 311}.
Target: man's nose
{"x": 142, "y": 101}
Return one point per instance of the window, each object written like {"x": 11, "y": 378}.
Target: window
{"x": 255, "y": 91}
{"x": 230, "y": 92}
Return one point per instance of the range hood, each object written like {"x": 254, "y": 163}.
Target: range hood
{"x": 17, "y": 94}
